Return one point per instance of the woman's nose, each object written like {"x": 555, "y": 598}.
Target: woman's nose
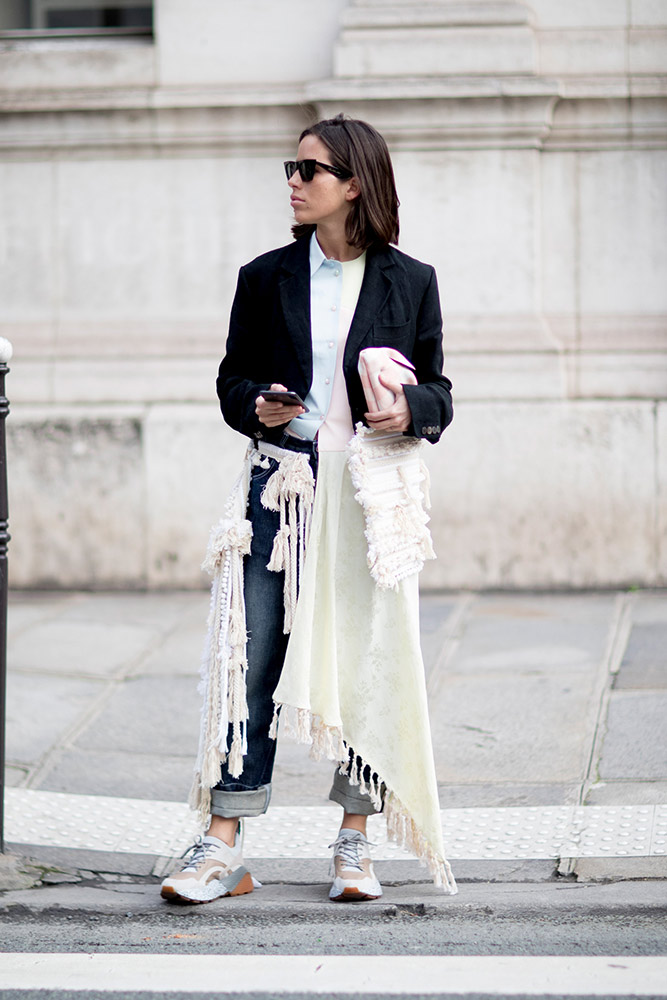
{"x": 295, "y": 179}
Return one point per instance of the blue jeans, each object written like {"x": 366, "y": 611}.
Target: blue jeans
{"x": 249, "y": 794}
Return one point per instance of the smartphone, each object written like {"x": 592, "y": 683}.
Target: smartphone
{"x": 280, "y": 396}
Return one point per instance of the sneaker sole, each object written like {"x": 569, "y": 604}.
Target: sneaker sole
{"x": 237, "y": 884}
{"x": 352, "y": 896}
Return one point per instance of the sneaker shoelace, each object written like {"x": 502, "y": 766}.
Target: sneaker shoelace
{"x": 349, "y": 849}
{"x": 200, "y": 852}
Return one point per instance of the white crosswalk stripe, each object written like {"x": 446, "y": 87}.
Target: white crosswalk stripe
{"x": 600, "y": 976}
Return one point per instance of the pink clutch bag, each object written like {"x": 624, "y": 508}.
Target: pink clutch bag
{"x": 393, "y": 365}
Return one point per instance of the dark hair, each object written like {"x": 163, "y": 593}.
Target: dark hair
{"x": 359, "y": 149}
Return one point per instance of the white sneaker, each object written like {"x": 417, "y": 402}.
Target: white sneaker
{"x": 213, "y": 869}
{"x": 354, "y": 877}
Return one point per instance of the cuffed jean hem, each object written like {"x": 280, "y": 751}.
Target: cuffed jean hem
{"x": 350, "y": 797}
{"x": 251, "y": 802}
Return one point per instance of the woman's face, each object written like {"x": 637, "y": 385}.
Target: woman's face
{"x": 325, "y": 199}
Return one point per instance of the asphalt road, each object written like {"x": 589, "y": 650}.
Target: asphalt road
{"x": 563, "y": 919}
{"x": 391, "y": 931}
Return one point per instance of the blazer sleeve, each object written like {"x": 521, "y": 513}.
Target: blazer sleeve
{"x": 236, "y": 392}
{"x": 430, "y": 402}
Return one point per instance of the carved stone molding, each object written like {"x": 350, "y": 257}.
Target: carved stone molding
{"x": 435, "y": 13}
{"x": 434, "y": 74}
{"x": 512, "y": 116}
{"x": 382, "y": 40}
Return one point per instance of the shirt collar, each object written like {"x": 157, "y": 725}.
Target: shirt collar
{"x": 317, "y": 257}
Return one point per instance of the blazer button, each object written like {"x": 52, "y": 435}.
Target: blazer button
{"x": 424, "y": 430}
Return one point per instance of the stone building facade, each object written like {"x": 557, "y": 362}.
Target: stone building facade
{"x": 138, "y": 173}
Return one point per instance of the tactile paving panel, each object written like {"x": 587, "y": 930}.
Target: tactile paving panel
{"x": 139, "y": 826}
{"x": 554, "y": 832}
{"x": 97, "y": 823}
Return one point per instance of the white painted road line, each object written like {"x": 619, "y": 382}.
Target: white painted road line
{"x": 606, "y": 976}
{"x": 104, "y": 823}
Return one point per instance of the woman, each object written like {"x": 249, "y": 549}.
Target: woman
{"x": 344, "y": 661}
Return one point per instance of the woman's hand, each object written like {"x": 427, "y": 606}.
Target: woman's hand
{"x": 275, "y": 414}
{"x": 396, "y": 417}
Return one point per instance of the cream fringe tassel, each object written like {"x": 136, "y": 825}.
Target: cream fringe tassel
{"x": 224, "y": 662}
{"x": 392, "y": 484}
{"x": 327, "y": 741}
{"x": 290, "y": 491}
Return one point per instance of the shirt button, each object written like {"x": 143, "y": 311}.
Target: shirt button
{"x": 331, "y": 343}
{"x": 336, "y": 272}
{"x": 333, "y": 309}
{"x": 327, "y": 381}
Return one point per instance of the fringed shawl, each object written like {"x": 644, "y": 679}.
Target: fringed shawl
{"x": 353, "y": 678}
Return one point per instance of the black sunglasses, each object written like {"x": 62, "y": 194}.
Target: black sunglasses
{"x": 306, "y": 169}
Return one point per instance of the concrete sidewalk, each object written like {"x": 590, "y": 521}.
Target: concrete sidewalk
{"x": 540, "y": 704}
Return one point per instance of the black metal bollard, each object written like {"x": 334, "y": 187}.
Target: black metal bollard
{"x": 5, "y": 355}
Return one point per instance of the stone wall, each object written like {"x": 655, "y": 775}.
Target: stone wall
{"x": 530, "y": 147}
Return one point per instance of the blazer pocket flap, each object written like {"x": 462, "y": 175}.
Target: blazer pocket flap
{"x": 389, "y": 334}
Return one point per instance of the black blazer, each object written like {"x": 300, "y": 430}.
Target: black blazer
{"x": 270, "y": 338}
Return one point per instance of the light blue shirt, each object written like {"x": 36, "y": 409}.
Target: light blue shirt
{"x": 326, "y": 287}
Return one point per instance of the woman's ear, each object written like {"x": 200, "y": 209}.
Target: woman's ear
{"x": 353, "y": 189}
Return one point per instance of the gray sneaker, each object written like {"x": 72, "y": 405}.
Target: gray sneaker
{"x": 354, "y": 877}
{"x": 213, "y": 869}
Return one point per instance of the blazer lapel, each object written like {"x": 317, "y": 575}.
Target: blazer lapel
{"x": 294, "y": 288}
{"x": 375, "y": 291}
